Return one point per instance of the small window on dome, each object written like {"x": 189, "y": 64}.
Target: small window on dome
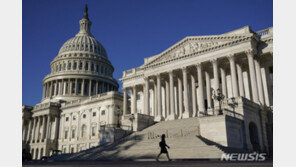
{"x": 69, "y": 66}
{"x": 86, "y": 66}
{"x": 80, "y": 66}
{"x": 92, "y": 67}
{"x": 74, "y": 65}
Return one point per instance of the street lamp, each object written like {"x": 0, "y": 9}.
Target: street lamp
{"x": 118, "y": 113}
{"x": 131, "y": 118}
{"x": 217, "y": 95}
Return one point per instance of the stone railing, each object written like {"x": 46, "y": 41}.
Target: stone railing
{"x": 132, "y": 71}
{"x": 264, "y": 32}
{"x": 46, "y": 105}
{"x": 92, "y": 98}
{"x": 77, "y": 72}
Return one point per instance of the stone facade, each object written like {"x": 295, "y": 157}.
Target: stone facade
{"x": 184, "y": 81}
{"x": 80, "y": 105}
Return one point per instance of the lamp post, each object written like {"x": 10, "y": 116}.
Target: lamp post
{"x": 131, "y": 118}
{"x": 217, "y": 95}
{"x": 118, "y": 113}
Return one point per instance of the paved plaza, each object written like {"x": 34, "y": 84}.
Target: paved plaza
{"x": 152, "y": 164}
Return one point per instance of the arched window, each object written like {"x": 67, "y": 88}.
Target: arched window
{"x": 69, "y": 66}
{"x": 74, "y": 65}
{"x": 80, "y": 66}
{"x": 92, "y": 67}
{"x": 83, "y": 131}
{"x": 73, "y": 133}
{"x": 86, "y": 66}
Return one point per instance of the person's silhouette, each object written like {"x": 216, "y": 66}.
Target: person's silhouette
{"x": 163, "y": 146}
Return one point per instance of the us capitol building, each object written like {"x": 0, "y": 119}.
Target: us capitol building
{"x": 225, "y": 81}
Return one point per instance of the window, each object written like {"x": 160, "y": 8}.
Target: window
{"x": 84, "y": 116}
{"x": 93, "y": 131}
{"x": 64, "y": 66}
{"x": 98, "y": 68}
{"x": 92, "y": 67}
{"x": 73, "y": 133}
{"x": 66, "y": 134}
{"x": 83, "y": 130}
{"x": 94, "y": 114}
{"x": 69, "y": 66}
{"x": 74, "y": 118}
{"x": 103, "y": 112}
{"x": 74, "y": 65}
{"x": 86, "y": 66}
{"x": 67, "y": 119}
{"x": 80, "y": 66}
{"x": 138, "y": 97}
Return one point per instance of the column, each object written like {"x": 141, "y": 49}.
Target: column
{"x": 47, "y": 127}
{"x": 208, "y": 90}
{"x": 172, "y": 115}
{"x": 76, "y": 86}
{"x": 32, "y": 137}
{"x": 265, "y": 86}
{"x": 50, "y": 89}
{"x": 250, "y": 54}
{"x": 259, "y": 81}
{"x": 186, "y": 99}
{"x": 134, "y": 103}
{"x": 62, "y": 88}
{"x": 43, "y": 127}
{"x": 55, "y": 88}
{"x": 223, "y": 82}
{"x": 82, "y": 88}
{"x": 233, "y": 75}
{"x": 97, "y": 87}
{"x": 146, "y": 91}
{"x": 167, "y": 98}
{"x": 240, "y": 80}
{"x": 180, "y": 97}
{"x": 56, "y": 127}
{"x": 89, "y": 92}
{"x": 69, "y": 87}
{"x": 43, "y": 93}
{"x": 62, "y": 125}
{"x": 193, "y": 95}
{"x": 155, "y": 99}
{"x": 200, "y": 97}
{"x": 159, "y": 114}
{"x": 37, "y": 129}
{"x": 124, "y": 101}
{"x": 216, "y": 74}
{"x": 29, "y": 131}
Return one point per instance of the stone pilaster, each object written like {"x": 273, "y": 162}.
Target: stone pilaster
{"x": 193, "y": 95}
{"x": 233, "y": 75}
{"x": 172, "y": 115}
{"x": 240, "y": 80}
{"x": 159, "y": 104}
{"x": 200, "y": 95}
{"x": 186, "y": 98}
{"x": 250, "y": 55}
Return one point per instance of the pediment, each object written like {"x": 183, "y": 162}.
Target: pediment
{"x": 191, "y": 45}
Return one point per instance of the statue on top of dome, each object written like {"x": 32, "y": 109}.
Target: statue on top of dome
{"x": 85, "y": 12}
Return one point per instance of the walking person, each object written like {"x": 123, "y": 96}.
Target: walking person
{"x": 163, "y": 148}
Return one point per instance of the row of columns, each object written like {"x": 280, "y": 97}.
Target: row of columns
{"x": 39, "y": 128}
{"x": 70, "y": 87}
{"x": 237, "y": 86}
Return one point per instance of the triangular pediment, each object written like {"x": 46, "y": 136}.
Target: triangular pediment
{"x": 193, "y": 44}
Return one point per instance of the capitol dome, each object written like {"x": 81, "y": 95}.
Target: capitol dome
{"x": 81, "y": 68}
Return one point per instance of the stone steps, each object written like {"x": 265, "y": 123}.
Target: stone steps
{"x": 182, "y": 138}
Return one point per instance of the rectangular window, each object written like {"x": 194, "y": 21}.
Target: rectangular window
{"x": 73, "y": 133}
{"x": 93, "y": 131}
{"x": 66, "y": 134}
{"x": 67, "y": 119}
{"x": 94, "y": 114}
{"x": 103, "y": 112}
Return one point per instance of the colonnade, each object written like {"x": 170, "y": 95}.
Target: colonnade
{"x": 39, "y": 128}
{"x": 78, "y": 87}
{"x": 188, "y": 91}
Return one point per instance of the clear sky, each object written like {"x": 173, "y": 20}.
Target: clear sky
{"x": 130, "y": 30}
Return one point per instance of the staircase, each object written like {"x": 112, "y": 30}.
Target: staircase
{"x": 181, "y": 135}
